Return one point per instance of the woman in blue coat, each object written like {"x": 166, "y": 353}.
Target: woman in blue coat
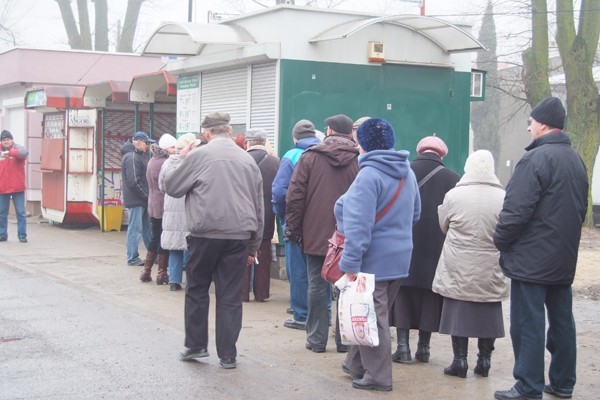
{"x": 382, "y": 248}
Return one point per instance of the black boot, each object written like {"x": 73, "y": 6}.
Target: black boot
{"x": 486, "y": 346}
{"x": 422, "y": 353}
{"x": 402, "y": 354}
{"x": 459, "y": 366}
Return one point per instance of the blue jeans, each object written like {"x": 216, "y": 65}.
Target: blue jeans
{"x": 295, "y": 265}
{"x": 319, "y": 303}
{"x": 177, "y": 260}
{"x": 139, "y": 227}
{"x": 18, "y": 199}
{"x": 527, "y": 331}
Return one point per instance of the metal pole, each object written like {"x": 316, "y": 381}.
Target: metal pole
{"x": 422, "y": 7}
{"x": 137, "y": 118}
{"x": 190, "y": 10}
{"x": 103, "y": 170}
{"x": 151, "y": 106}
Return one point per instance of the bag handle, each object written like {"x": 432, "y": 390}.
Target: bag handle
{"x": 389, "y": 205}
{"x": 430, "y": 175}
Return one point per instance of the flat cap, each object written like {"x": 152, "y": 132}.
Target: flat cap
{"x": 340, "y": 123}
{"x": 256, "y": 134}
{"x": 215, "y": 119}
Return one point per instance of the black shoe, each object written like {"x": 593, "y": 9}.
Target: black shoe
{"x": 3, "y": 239}
{"x": 289, "y": 310}
{"x": 293, "y": 324}
{"x": 136, "y": 263}
{"x": 23, "y": 239}
{"x": 512, "y": 394}
{"x": 192, "y": 354}
{"x": 342, "y": 348}
{"x": 362, "y": 384}
{"x": 550, "y": 390}
{"x": 353, "y": 375}
{"x": 175, "y": 287}
{"x": 227, "y": 363}
{"x": 315, "y": 349}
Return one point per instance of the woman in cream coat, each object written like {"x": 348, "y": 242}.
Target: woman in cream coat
{"x": 468, "y": 275}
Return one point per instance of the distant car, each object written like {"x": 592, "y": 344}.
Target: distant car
{"x": 596, "y": 190}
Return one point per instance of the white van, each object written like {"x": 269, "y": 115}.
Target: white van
{"x": 596, "y": 190}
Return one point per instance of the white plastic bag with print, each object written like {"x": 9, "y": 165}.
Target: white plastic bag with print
{"x": 356, "y": 311}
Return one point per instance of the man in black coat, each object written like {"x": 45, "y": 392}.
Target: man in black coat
{"x": 416, "y": 306}
{"x": 538, "y": 237}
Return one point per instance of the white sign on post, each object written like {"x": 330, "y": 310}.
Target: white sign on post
{"x": 188, "y": 104}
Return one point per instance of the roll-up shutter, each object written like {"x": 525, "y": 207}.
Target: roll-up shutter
{"x": 226, "y": 91}
{"x": 263, "y": 99}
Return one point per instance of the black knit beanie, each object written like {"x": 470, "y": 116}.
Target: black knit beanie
{"x": 5, "y": 135}
{"x": 550, "y": 111}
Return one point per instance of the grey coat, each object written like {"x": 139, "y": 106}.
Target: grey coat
{"x": 468, "y": 268}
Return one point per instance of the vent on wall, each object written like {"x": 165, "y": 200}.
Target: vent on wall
{"x": 375, "y": 52}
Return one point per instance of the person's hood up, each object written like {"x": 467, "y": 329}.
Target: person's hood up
{"x": 479, "y": 179}
{"x": 339, "y": 151}
{"x": 391, "y": 162}
{"x": 127, "y": 147}
{"x": 157, "y": 152}
{"x": 307, "y": 143}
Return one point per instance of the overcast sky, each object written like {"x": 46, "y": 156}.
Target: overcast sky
{"x": 38, "y": 24}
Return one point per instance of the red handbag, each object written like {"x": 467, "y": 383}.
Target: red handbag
{"x": 331, "y": 271}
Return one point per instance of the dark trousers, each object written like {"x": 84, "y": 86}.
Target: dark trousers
{"x": 527, "y": 331}
{"x": 156, "y": 225}
{"x": 261, "y": 282}
{"x": 220, "y": 260}
{"x": 376, "y": 362}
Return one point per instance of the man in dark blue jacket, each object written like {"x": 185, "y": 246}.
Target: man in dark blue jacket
{"x": 538, "y": 237}
{"x": 304, "y": 137}
{"x": 136, "y": 154}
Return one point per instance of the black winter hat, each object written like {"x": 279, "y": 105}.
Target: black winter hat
{"x": 6, "y": 135}
{"x": 550, "y": 111}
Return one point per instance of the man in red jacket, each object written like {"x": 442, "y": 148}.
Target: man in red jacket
{"x": 12, "y": 185}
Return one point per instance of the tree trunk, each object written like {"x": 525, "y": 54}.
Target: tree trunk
{"x": 535, "y": 59}
{"x": 70, "y": 24}
{"x": 101, "y": 23}
{"x": 125, "y": 44}
{"x": 84, "y": 24}
{"x": 577, "y": 51}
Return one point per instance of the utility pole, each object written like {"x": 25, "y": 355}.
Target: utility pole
{"x": 190, "y": 6}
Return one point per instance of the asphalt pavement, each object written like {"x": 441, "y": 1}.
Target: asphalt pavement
{"x": 76, "y": 323}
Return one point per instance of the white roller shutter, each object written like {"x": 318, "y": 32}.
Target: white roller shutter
{"x": 263, "y": 99}
{"x": 226, "y": 91}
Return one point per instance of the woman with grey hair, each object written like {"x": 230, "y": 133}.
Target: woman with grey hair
{"x": 468, "y": 275}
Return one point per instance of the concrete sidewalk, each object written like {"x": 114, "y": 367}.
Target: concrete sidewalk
{"x": 272, "y": 361}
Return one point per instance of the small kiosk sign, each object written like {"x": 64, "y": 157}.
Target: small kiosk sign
{"x": 188, "y": 104}
{"x": 36, "y": 98}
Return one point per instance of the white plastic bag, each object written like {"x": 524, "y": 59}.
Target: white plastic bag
{"x": 356, "y": 311}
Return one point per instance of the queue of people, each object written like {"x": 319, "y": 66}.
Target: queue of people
{"x": 445, "y": 253}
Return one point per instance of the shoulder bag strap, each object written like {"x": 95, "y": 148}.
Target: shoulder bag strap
{"x": 430, "y": 175}
{"x": 389, "y": 205}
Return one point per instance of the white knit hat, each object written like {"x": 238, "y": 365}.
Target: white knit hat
{"x": 166, "y": 141}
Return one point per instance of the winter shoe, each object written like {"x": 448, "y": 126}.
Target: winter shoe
{"x": 147, "y": 271}
{"x": 459, "y": 365}
{"x": 486, "y": 346}
{"x": 422, "y": 353}
{"x": 402, "y": 354}
{"x": 162, "y": 278}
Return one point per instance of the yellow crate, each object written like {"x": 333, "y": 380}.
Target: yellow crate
{"x": 113, "y": 219}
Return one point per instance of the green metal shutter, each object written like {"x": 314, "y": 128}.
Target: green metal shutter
{"x": 226, "y": 91}
{"x": 263, "y": 99}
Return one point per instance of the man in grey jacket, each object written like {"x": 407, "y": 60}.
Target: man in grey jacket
{"x": 224, "y": 211}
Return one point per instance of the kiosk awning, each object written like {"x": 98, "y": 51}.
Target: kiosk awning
{"x": 449, "y": 37}
{"x": 54, "y": 97}
{"x": 188, "y": 39}
{"x": 96, "y": 95}
{"x": 153, "y": 88}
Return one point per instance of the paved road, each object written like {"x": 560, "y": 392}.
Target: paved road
{"x": 76, "y": 323}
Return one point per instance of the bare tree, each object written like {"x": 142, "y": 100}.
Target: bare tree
{"x": 80, "y": 36}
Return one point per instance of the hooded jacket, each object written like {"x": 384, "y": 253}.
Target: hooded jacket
{"x": 156, "y": 198}
{"x": 174, "y": 220}
{"x": 133, "y": 176}
{"x": 322, "y": 175}
{"x": 12, "y": 170}
{"x": 383, "y": 248}
{"x": 285, "y": 171}
{"x": 468, "y": 269}
{"x": 544, "y": 209}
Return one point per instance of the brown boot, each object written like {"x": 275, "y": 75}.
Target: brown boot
{"x": 162, "y": 278}
{"x": 146, "y": 272}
